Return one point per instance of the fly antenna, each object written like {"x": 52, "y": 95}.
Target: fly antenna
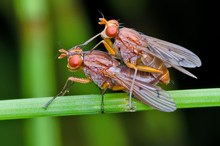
{"x": 101, "y": 14}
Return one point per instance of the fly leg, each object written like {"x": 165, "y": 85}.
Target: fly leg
{"x": 103, "y": 21}
{"x": 143, "y": 68}
{"x": 108, "y": 45}
{"x": 140, "y": 68}
{"x": 66, "y": 87}
{"x": 102, "y": 102}
{"x": 105, "y": 86}
{"x": 131, "y": 91}
{"x": 86, "y": 42}
{"x": 89, "y": 40}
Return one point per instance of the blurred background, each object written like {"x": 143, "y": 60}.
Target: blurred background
{"x": 32, "y": 32}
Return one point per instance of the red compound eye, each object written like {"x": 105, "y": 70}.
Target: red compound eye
{"x": 75, "y": 61}
{"x": 111, "y": 31}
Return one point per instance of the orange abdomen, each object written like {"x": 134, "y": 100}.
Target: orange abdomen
{"x": 156, "y": 63}
{"x": 165, "y": 77}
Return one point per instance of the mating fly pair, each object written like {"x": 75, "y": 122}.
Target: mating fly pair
{"x": 146, "y": 61}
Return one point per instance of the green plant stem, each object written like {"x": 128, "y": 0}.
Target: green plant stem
{"x": 36, "y": 66}
{"x": 91, "y": 104}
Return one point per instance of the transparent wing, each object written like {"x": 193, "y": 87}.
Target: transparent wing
{"x": 144, "y": 90}
{"x": 170, "y": 53}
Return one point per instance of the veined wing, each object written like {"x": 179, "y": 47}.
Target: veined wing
{"x": 143, "y": 90}
{"x": 170, "y": 53}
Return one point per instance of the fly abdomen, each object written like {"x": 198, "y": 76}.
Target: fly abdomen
{"x": 156, "y": 63}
